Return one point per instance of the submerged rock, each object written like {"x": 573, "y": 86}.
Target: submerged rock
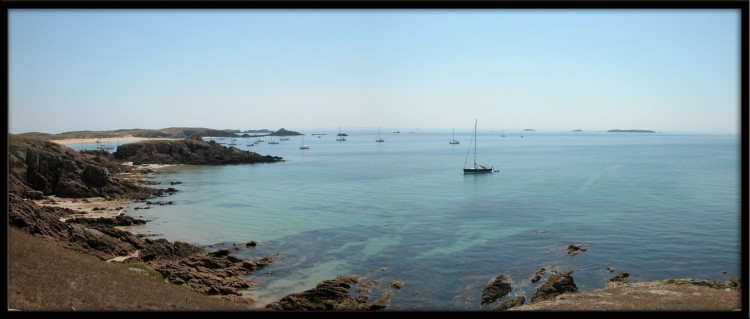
{"x": 397, "y": 284}
{"x": 575, "y": 249}
{"x": 538, "y": 275}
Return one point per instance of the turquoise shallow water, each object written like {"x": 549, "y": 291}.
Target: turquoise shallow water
{"x": 653, "y": 205}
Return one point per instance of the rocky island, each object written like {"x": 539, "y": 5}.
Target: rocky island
{"x": 191, "y": 151}
{"x": 165, "y": 133}
{"x": 283, "y": 132}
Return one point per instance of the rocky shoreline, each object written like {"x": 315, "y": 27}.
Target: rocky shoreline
{"x": 77, "y": 199}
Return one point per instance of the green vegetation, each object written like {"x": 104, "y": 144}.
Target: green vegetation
{"x": 146, "y": 270}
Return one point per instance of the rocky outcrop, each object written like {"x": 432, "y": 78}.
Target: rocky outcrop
{"x": 331, "y": 295}
{"x": 513, "y": 302}
{"x": 162, "y": 250}
{"x": 620, "y": 279}
{"x": 498, "y": 288}
{"x": 99, "y": 240}
{"x": 211, "y": 274}
{"x": 556, "y": 284}
{"x": 178, "y": 262}
{"x": 283, "y": 132}
{"x": 38, "y": 168}
{"x": 188, "y": 151}
{"x": 53, "y": 169}
{"x": 730, "y": 284}
{"x": 119, "y": 220}
{"x": 538, "y": 275}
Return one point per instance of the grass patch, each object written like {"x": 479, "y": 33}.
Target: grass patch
{"x": 44, "y": 276}
{"x": 146, "y": 270}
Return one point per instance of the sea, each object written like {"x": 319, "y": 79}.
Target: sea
{"x": 653, "y": 205}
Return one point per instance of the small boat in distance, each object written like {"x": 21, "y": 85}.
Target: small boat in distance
{"x": 304, "y": 146}
{"x": 477, "y": 168}
{"x": 453, "y": 138}
{"x": 380, "y": 139}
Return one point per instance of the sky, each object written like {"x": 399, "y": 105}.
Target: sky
{"x": 671, "y": 70}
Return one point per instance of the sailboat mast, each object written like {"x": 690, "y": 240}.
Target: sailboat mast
{"x": 475, "y": 142}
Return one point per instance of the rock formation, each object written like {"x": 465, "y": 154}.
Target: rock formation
{"x": 498, "y": 288}
{"x": 331, "y": 295}
{"x": 53, "y": 169}
{"x": 191, "y": 151}
{"x": 556, "y": 284}
{"x": 39, "y": 168}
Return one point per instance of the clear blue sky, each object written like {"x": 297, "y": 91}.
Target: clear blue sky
{"x": 665, "y": 70}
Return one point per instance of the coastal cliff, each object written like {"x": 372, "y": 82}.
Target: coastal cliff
{"x": 191, "y": 151}
{"x": 39, "y": 168}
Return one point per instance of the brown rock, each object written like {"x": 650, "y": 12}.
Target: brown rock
{"x": 330, "y": 295}
{"x": 557, "y": 284}
{"x": 496, "y": 289}
{"x": 575, "y": 249}
{"x": 513, "y": 302}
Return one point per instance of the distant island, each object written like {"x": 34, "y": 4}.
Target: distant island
{"x": 577, "y": 130}
{"x": 170, "y": 133}
{"x": 283, "y": 132}
{"x": 256, "y": 131}
{"x": 529, "y": 130}
{"x": 632, "y": 131}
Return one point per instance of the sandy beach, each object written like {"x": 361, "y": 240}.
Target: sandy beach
{"x": 99, "y": 207}
{"x": 126, "y": 138}
{"x": 92, "y": 207}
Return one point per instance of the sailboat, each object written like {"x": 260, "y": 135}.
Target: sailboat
{"x": 108, "y": 147}
{"x": 380, "y": 139}
{"x": 477, "y": 168}
{"x": 340, "y": 136}
{"x": 453, "y": 138}
{"x": 303, "y": 146}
